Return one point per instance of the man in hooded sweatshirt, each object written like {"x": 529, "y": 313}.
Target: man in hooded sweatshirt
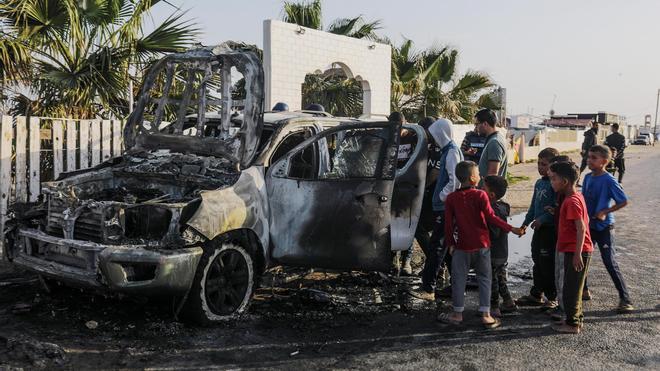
{"x": 450, "y": 155}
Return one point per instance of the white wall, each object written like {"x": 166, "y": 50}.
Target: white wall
{"x": 290, "y": 55}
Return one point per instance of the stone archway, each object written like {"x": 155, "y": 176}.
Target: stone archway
{"x": 291, "y": 52}
{"x": 338, "y": 90}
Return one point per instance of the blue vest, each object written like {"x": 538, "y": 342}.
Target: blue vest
{"x": 443, "y": 177}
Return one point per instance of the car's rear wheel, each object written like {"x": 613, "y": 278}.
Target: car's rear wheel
{"x": 223, "y": 285}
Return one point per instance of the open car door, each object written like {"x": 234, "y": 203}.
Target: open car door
{"x": 409, "y": 189}
{"x": 330, "y": 199}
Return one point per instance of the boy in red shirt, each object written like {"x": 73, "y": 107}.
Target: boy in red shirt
{"x": 573, "y": 242}
{"x": 467, "y": 215}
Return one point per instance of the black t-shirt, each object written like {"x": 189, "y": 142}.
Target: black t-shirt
{"x": 406, "y": 148}
{"x": 473, "y": 140}
{"x": 618, "y": 142}
{"x": 435, "y": 155}
{"x": 499, "y": 242}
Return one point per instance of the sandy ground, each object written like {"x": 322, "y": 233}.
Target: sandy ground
{"x": 330, "y": 320}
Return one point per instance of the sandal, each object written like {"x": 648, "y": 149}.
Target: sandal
{"x": 446, "y": 318}
{"x": 491, "y": 325}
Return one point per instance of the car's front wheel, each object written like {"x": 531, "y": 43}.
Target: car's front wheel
{"x": 223, "y": 285}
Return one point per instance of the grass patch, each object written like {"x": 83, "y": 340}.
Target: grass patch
{"x": 513, "y": 179}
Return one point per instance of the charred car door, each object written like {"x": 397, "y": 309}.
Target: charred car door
{"x": 409, "y": 189}
{"x": 338, "y": 215}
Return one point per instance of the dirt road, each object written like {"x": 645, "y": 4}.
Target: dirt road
{"x": 358, "y": 320}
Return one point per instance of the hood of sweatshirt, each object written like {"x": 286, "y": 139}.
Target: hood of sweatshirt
{"x": 442, "y": 132}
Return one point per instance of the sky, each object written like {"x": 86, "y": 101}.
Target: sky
{"x": 585, "y": 55}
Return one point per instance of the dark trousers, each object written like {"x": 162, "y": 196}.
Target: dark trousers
{"x": 544, "y": 242}
{"x": 605, "y": 241}
{"x": 498, "y": 285}
{"x": 423, "y": 237}
{"x": 424, "y": 227}
{"x": 435, "y": 253}
{"x": 620, "y": 164}
{"x": 573, "y": 287}
{"x": 583, "y": 165}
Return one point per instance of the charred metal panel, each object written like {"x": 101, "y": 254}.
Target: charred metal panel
{"x": 409, "y": 192}
{"x": 240, "y": 148}
{"x": 172, "y": 270}
{"x": 241, "y": 206}
{"x": 335, "y": 224}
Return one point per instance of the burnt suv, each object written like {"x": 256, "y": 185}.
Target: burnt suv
{"x": 199, "y": 207}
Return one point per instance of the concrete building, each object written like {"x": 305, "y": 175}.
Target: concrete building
{"x": 292, "y": 51}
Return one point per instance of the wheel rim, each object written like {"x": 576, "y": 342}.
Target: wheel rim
{"x": 227, "y": 282}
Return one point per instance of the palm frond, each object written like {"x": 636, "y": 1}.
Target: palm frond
{"x": 356, "y": 28}
{"x": 15, "y": 60}
{"x": 173, "y": 35}
{"x": 471, "y": 82}
{"x": 306, "y": 14}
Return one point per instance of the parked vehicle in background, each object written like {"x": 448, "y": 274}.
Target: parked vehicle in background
{"x": 644, "y": 139}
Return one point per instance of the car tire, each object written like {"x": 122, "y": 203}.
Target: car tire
{"x": 223, "y": 285}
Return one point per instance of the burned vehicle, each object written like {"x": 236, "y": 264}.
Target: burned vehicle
{"x": 199, "y": 207}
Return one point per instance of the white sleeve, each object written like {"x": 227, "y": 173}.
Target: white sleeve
{"x": 452, "y": 159}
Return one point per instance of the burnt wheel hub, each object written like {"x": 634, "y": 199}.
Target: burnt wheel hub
{"x": 227, "y": 282}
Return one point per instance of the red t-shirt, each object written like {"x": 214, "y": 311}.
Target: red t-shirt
{"x": 574, "y": 207}
{"x": 467, "y": 211}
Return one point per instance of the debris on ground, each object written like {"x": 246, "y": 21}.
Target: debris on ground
{"x": 32, "y": 352}
{"x": 92, "y": 325}
{"x": 21, "y": 308}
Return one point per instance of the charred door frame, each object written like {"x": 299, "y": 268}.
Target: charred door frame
{"x": 409, "y": 193}
{"x": 240, "y": 148}
{"x": 334, "y": 223}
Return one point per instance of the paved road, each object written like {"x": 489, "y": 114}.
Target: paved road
{"x": 292, "y": 333}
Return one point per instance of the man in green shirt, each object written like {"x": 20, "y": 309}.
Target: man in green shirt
{"x": 494, "y": 159}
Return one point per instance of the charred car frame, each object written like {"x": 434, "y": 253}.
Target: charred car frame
{"x": 199, "y": 207}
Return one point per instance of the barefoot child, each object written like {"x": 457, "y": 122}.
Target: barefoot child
{"x": 467, "y": 212}
{"x": 573, "y": 243}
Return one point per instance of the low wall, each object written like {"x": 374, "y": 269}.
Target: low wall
{"x": 531, "y": 152}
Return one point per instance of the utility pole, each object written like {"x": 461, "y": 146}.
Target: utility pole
{"x": 655, "y": 125}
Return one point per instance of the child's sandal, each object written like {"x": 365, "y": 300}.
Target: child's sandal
{"x": 491, "y": 325}
{"x": 446, "y": 318}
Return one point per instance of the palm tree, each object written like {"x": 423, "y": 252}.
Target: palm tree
{"x": 426, "y": 83}
{"x": 78, "y": 57}
{"x": 356, "y": 28}
{"x": 339, "y": 95}
{"x": 310, "y": 15}
{"x": 306, "y": 14}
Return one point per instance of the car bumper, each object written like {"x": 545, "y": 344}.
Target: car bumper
{"x": 124, "y": 268}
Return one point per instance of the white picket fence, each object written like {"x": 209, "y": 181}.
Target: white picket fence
{"x": 76, "y": 144}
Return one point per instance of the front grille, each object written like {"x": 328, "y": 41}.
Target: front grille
{"x": 88, "y": 226}
{"x": 55, "y": 217}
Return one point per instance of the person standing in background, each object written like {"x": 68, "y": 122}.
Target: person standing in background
{"x": 618, "y": 142}
{"x": 590, "y": 140}
{"x": 473, "y": 144}
{"x": 494, "y": 158}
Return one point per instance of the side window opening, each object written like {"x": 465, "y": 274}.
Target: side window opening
{"x": 346, "y": 154}
{"x": 290, "y": 142}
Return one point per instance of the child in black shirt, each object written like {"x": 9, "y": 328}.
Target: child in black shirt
{"x": 496, "y": 186}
